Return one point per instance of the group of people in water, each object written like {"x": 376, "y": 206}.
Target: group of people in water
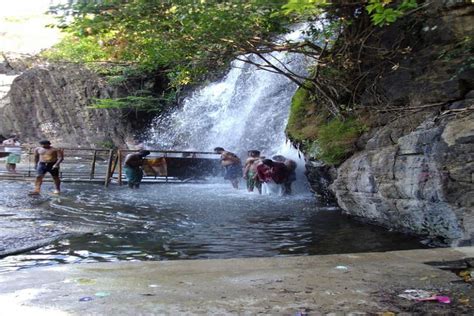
{"x": 258, "y": 170}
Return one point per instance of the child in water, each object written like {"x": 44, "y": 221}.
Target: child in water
{"x": 250, "y": 171}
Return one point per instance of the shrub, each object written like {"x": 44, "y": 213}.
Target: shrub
{"x": 336, "y": 139}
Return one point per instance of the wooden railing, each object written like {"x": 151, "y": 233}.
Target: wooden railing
{"x": 100, "y": 165}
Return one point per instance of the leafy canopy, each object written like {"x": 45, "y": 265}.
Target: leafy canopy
{"x": 187, "y": 37}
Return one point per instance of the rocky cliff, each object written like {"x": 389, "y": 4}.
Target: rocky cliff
{"x": 419, "y": 182}
{"x": 51, "y": 102}
{"x": 414, "y": 170}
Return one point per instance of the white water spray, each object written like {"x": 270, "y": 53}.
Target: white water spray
{"x": 248, "y": 109}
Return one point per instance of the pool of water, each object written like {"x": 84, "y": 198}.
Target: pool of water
{"x": 183, "y": 221}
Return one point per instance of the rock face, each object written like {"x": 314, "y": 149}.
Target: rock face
{"x": 50, "y": 102}
{"x": 423, "y": 183}
{"x": 416, "y": 173}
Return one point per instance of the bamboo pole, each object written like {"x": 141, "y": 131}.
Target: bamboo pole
{"x": 119, "y": 153}
{"x": 109, "y": 168}
{"x": 93, "y": 165}
{"x": 114, "y": 166}
{"x": 29, "y": 162}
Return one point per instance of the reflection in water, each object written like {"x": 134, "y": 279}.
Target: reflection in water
{"x": 189, "y": 221}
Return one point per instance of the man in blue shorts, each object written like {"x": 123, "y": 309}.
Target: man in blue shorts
{"x": 232, "y": 166}
{"x": 47, "y": 159}
{"x": 133, "y": 168}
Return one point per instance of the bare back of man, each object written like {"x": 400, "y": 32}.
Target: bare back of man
{"x": 228, "y": 158}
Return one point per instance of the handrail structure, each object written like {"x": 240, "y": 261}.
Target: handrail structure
{"x": 99, "y": 165}
{"x": 173, "y": 166}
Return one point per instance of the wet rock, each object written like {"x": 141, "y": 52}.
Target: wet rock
{"x": 320, "y": 178}
{"x": 422, "y": 184}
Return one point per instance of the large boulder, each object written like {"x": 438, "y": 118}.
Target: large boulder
{"x": 52, "y": 102}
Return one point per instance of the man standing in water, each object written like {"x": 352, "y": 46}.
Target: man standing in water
{"x": 291, "y": 165}
{"x": 47, "y": 159}
{"x": 133, "y": 168}
{"x": 250, "y": 171}
{"x": 232, "y": 166}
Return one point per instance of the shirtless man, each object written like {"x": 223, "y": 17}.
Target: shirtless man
{"x": 47, "y": 159}
{"x": 250, "y": 171}
{"x": 232, "y": 166}
{"x": 133, "y": 168}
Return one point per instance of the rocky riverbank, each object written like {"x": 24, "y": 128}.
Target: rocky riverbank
{"x": 413, "y": 169}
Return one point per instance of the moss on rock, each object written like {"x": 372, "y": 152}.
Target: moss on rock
{"x": 321, "y": 137}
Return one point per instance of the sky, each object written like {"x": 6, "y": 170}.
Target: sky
{"x": 22, "y": 26}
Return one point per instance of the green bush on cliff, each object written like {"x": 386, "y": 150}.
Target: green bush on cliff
{"x": 323, "y": 138}
{"x": 75, "y": 49}
{"x": 305, "y": 118}
{"x": 136, "y": 103}
{"x": 336, "y": 139}
{"x": 185, "y": 37}
{"x": 297, "y": 114}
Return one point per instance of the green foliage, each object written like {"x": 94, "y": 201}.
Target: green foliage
{"x": 116, "y": 80}
{"x": 107, "y": 144}
{"x": 304, "y": 7}
{"x": 336, "y": 139}
{"x": 76, "y": 49}
{"x": 381, "y": 11}
{"x": 187, "y": 37}
{"x": 297, "y": 113}
{"x": 382, "y": 14}
{"x": 138, "y": 103}
{"x": 330, "y": 141}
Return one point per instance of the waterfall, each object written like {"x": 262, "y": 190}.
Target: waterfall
{"x": 247, "y": 109}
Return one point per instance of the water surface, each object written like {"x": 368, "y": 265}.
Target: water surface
{"x": 184, "y": 221}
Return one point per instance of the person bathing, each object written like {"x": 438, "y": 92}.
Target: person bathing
{"x": 47, "y": 159}
{"x": 232, "y": 166}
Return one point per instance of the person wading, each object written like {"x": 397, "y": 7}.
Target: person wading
{"x": 278, "y": 173}
{"x": 250, "y": 171}
{"x": 47, "y": 159}
{"x": 232, "y": 166}
{"x": 12, "y": 145}
{"x": 133, "y": 168}
{"x": 291, "y": 166}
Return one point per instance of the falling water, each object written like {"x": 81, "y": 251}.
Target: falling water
{"x": 247, "y": 109}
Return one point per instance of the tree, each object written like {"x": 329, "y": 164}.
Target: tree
{"x": 184, "y": 37}
{"x": 188, "y": 38}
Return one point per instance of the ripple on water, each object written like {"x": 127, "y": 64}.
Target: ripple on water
{"x": 188, "y": 221}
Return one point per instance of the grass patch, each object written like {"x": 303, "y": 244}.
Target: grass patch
{"x": 74, "y": 49}
{"x": 305, "y": 118}
{"x": 336, "y": 139}
{"x": 328, "y": 140}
